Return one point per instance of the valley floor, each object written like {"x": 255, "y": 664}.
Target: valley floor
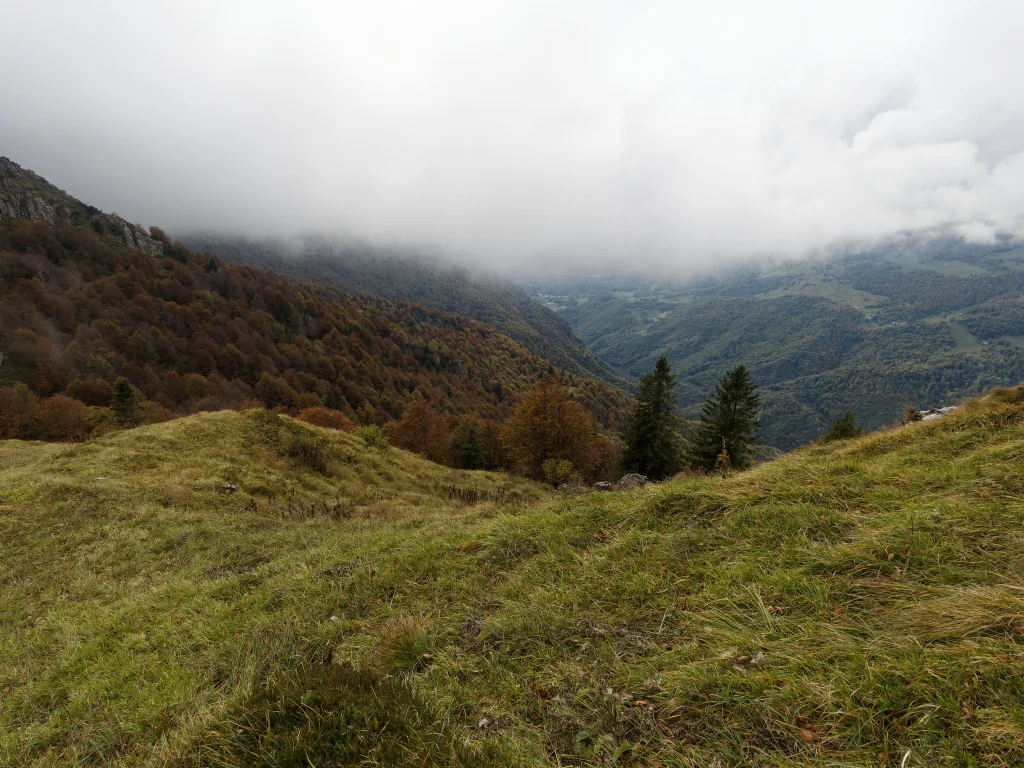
{"x": 846, "y": 605}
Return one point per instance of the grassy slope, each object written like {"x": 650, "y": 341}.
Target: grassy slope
{"x": 150, "y": 620}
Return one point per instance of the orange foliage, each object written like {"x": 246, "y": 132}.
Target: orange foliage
{"x": 327, "y": 417}
{"x": 426, "y": 432}
{"x": 549, "y": 425}
{"x": 64, "y": 419}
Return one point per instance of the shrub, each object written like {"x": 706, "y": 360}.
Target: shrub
{"x": 374, "y": 437}
{"x": 843, "y": 429}
{"x": 64, "y": 419}
{"x": 327, "y": 417}
{"x": 125, "y": 405}
{"x": 559, "y": 471}
{"x": 96, "y": 392}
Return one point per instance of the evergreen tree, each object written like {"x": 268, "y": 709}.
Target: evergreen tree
{"x": 471, "y": 449}
{"x": 125, "y": 404}
{"x": 843, "y": 429}
{"x": 728, "y": 423}
{"x": 653, "y": 445}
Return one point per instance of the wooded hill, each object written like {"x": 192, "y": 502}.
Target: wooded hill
{"x": 916, "y": 322}
{"x": 86, "y": 297}
{"x": 406, "y": 276}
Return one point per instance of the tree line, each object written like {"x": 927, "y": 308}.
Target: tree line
{"x": 98, "y": 337}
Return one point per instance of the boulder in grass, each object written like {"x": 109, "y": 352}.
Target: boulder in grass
{"x": 602, "y": 486}
{"x": 631, "y": 481}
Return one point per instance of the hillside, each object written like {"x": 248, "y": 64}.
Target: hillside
{"x": 86, "y": 297}
{"x": 358, "y": 268}
{"x": 911, "y": 322}
{"x": 851, "y": 604}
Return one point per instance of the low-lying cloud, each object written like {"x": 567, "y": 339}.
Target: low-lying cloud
{"x": 530, "y": 134}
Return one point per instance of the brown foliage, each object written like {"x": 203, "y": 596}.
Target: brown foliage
{"x": 17, "y": 409}
{"x": 327, "y": 417}
{"x": 426, "y": 432}
{"x": 76, "y": 313}
{"x": 64, "y": 419}
{"x": 548, "y": 424}
{"x": 95, "y": 392}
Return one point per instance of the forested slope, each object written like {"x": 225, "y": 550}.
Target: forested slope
{"x": 86, "y": 297}
{"x": 391, "y": 274}
{"x": 923, "y": 324}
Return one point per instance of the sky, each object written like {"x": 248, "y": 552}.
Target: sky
{"x": 532, "y": 135}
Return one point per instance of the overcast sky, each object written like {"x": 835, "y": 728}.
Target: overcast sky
{"x": 529, "y": 133}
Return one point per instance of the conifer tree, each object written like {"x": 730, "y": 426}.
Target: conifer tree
{"x": 125, "y": 404}
{"x": 654, "y": 446}
{"x": 471, "y": 449}
{"x": 728, "y": 423}
{"x": 843, "y": 429}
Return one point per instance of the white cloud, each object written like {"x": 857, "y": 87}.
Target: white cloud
{"x": 530, "y": 133}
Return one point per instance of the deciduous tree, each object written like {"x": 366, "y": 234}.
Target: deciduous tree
{"x": 548, "y": 424}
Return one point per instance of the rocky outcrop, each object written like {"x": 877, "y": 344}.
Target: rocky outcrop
{"x": 934, "y": 413}
{"x": 631, "y": 481}
{"x": 134, "y": 237}
{"x": 604, "y": 485}
{"x": 19, "y": 201}
{"x": 27, "y": 195}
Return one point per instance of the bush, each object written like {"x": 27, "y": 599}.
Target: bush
{"x": 374, "y": 437}
{"x": 64, "y": 419}
{"x": 843, "y": 429}
{"x": 559, "y": 471}
{"x": 327, "y": 417}
{"x": 96, "y": 392}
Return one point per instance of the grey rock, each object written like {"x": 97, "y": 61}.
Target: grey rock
{"x": 935, "y": 413}
{"x": 228, "y": 488}
{"x": 631, "y": 481}
{"x": 20, "y": 199}
{"x": 603, "y": 486}
{"x": 572, "y": 488}
{"x": 134, "y": 238}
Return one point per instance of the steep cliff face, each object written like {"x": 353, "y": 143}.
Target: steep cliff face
{"x": 27, "y": 195}
{"x": 134, "y": 237}
{"x": 20, "y": 196}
